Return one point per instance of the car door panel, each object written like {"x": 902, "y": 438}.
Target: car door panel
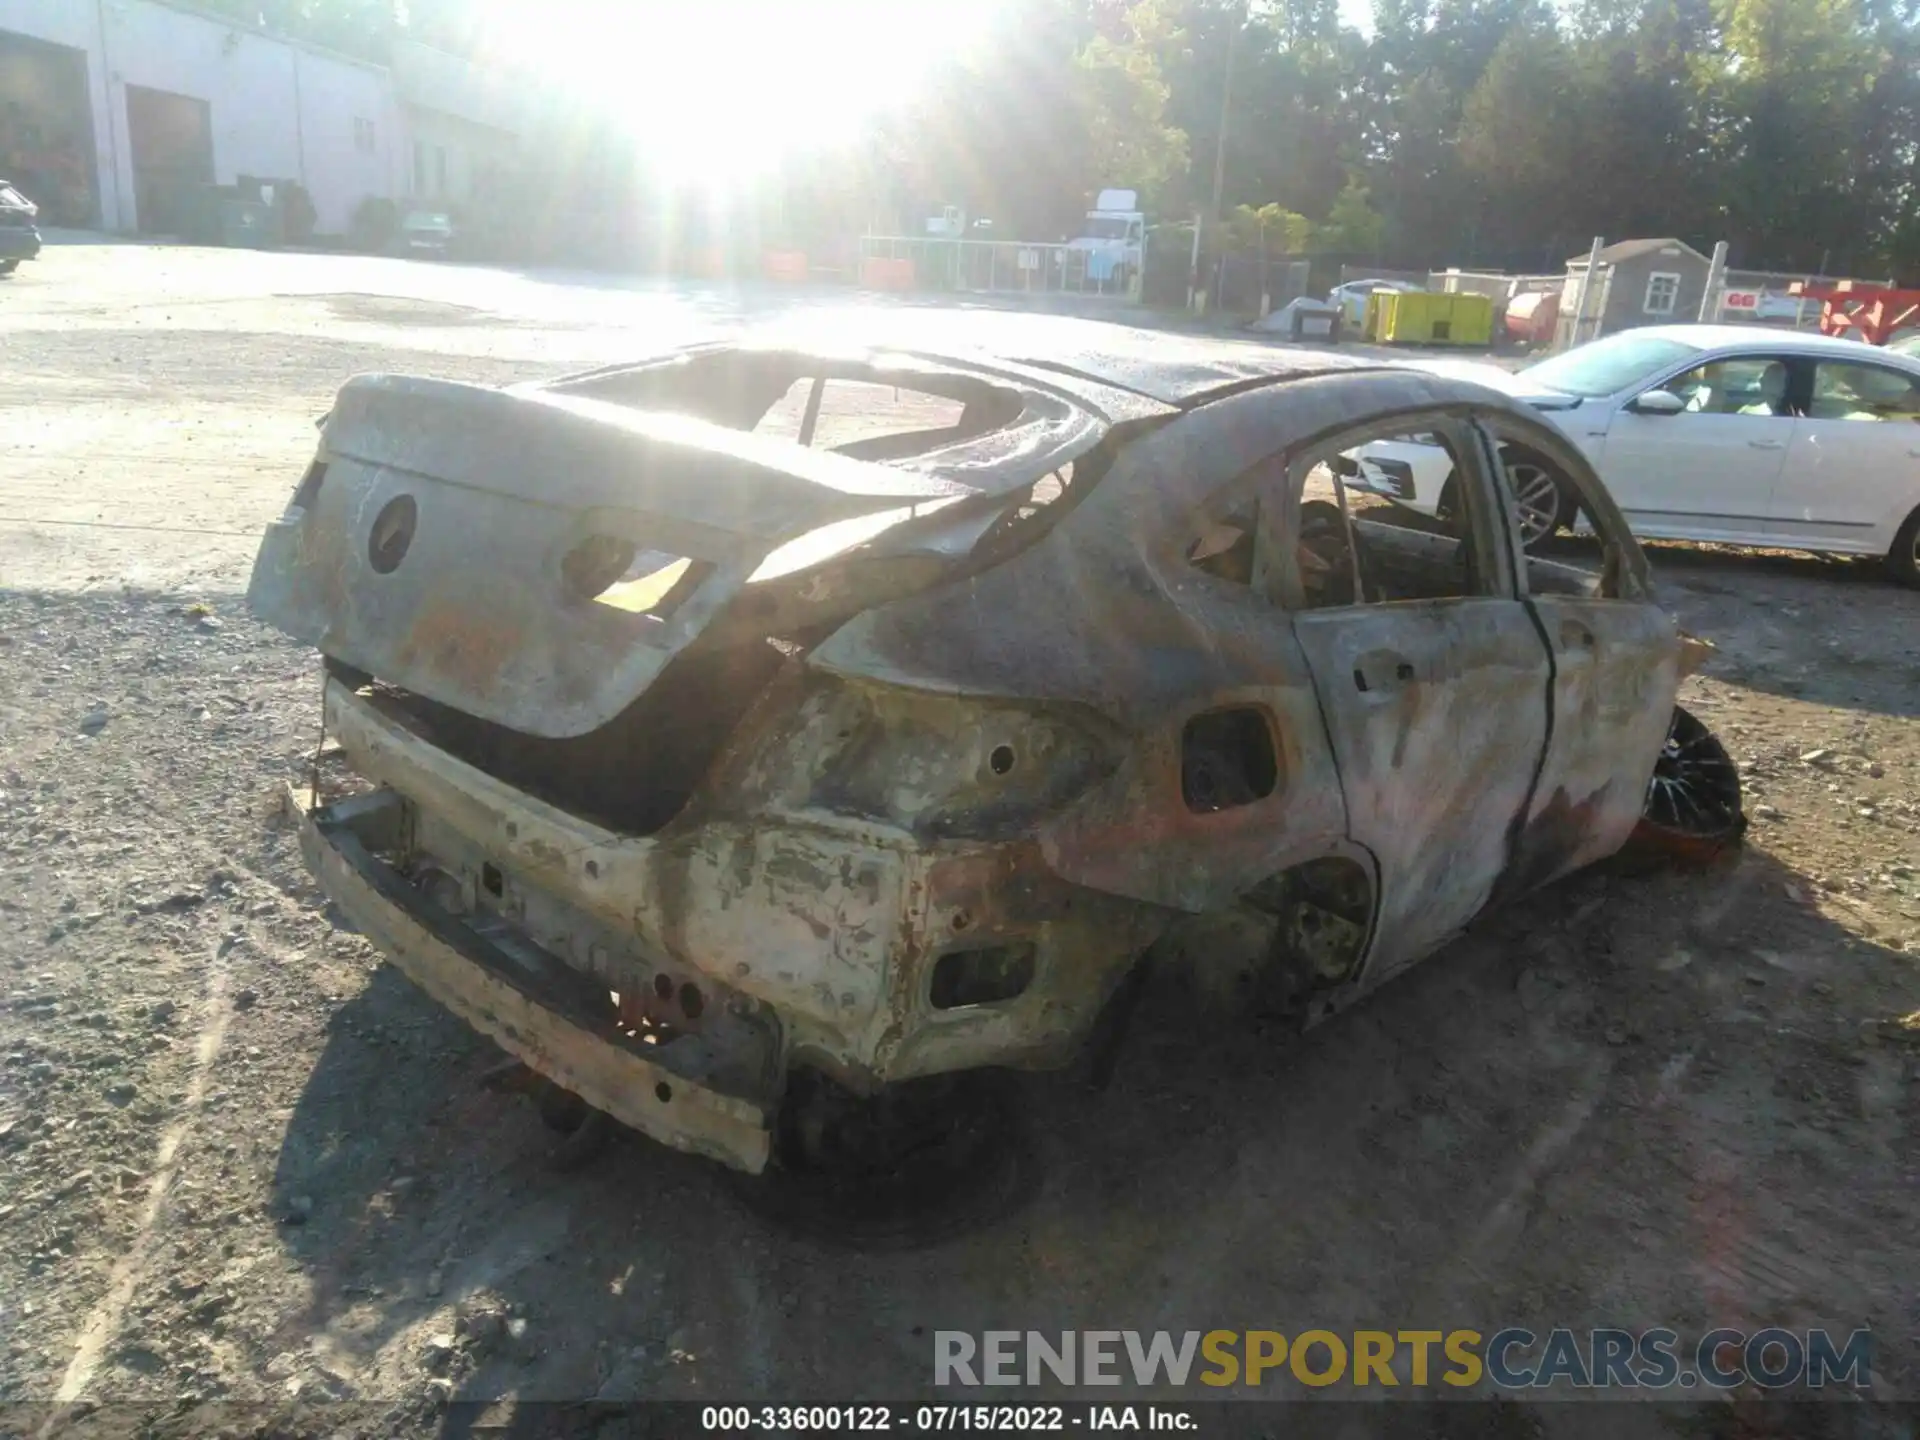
{"x": 1710, "y": 472}
{"x": 1841, "y": 483}
{"x": 1854, "y": 470}
{"x": 1707, "y": 475}
{"x": 1615, "y": 674}
{"x": 1437, "y": 714}
{"x": 1615, "y": 669}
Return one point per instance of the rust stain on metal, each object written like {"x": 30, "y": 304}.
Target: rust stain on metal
{"x": 467, "y": 645}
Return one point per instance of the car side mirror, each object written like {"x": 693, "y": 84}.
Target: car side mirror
{"x": 1657, "y": 402}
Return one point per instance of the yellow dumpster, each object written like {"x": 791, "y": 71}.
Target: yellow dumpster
{"x": 1421, "y": 318}
{"x": 1376, "y": 315}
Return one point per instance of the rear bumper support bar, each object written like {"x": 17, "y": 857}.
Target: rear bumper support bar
{"x": 539, "y": 1023}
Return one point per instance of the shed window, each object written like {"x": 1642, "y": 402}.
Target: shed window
{"x": 1663, "y": 292}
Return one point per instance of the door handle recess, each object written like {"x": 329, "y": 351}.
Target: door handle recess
{"x": 1575, "y": 636}
{"x": 1768, "y": 444}
{"x": 1383, "y": 670}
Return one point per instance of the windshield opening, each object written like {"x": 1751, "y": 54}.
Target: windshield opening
{"x": 1608, "y": 366}
{"x": 1108, "y": 228}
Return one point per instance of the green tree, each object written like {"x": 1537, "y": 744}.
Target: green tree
{"x": 1279, "y": 231}
{"x": 1806, "y": 160}
{"x": 1457, "y": 131}
{"x": 1123, "y": 101}
{"x": 1352, "y": 226}
{"x": 1519, "y": 131}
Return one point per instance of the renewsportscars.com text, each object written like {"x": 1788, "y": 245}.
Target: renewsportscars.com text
{"x": 1512, "y": 1358}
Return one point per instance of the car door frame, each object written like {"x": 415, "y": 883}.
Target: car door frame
{"x": 1394, "y": 678}
{"x": 1746, "y": 527}
{"x": 1615, "y": 659}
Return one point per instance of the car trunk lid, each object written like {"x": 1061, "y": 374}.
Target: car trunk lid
{"x": 536, "y": 560}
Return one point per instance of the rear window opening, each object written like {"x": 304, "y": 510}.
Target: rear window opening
{"x": 862, "y": 409}
{"x": 851, "y": 411}
{"x": 1016, "y": 527}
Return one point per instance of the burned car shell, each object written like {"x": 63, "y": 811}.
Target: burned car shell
{"x": 916, "y": 800}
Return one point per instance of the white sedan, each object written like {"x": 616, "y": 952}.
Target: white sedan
{"x": 1705, "y": 432}
{"x": 1352, "y": 297}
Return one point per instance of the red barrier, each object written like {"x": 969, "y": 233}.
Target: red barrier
{"x": 787, "y": 266}
{"x": 708, "y": 264}
{"x": 1872, "y": 313}
{"x": 880, "y": 274}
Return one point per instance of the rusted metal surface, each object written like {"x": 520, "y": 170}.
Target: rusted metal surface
{"x": 456, "y": 966}
{"x": 918, "y": 802}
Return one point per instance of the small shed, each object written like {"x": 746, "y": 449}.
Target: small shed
{"x": 1640, "y": 282}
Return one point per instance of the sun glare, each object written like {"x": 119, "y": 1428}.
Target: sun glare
{"x": 718, "y": 91}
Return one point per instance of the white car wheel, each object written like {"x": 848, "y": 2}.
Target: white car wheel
{"x": 1904, "y": 559}
{"x": 1536, "y": 499}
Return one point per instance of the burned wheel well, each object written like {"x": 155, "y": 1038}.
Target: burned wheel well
{"x": 1291, "y": 948}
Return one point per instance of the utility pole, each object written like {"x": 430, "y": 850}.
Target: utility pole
{"x": 1220, "y": 141}
{"x": 1587, "y": 282}
{"x": 122, "y": 220}
{"x": 299, "y": 120}
{"x": 1194, "y": 292}
{"x": 1226, "y": 107}
{"x": 1716, "y": 282}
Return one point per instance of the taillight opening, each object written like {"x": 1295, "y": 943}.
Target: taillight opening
{"x": 308, "y": 489}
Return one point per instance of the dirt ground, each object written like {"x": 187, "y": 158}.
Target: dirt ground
{"x": 242, "y": 1160}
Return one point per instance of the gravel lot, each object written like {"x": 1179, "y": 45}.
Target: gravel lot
{"x": 242, "y": 1160}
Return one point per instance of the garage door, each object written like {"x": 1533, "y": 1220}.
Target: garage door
{"x": 46, "y": 129}
{"x": 171, "y": 137}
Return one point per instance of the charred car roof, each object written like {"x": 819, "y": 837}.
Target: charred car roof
{"x": 1095, "y": 362}
{"x": 1184, "y": 371}
{"x": 1036, "y": 396}
{"x": 537, "y": 556}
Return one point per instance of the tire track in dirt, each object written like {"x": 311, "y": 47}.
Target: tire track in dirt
{"x": 104, "y": 1321}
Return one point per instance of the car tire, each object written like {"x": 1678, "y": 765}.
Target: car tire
{"x": 1904, "y": 559}
{"x": 1321, "y": 512}
{"x": 1531, "y": 483}
{"x": 1695, "y": 810}
{"x": 981, "y": 1167}
{"x": 7, "y": 267}
{"x": 1447, "y": 511}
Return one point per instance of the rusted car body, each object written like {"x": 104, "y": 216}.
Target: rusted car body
{"x": 699, "y": 760}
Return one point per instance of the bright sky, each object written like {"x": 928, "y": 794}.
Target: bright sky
{"x": 719, "y": 89}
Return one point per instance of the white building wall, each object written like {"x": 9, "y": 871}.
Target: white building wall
{"x": 277, "y": 110}
{"x": 76, "y": 24}
{"x": 340, "y": 174}
{"x": 469, "y": 152}
{"x": 462, "y": 120}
